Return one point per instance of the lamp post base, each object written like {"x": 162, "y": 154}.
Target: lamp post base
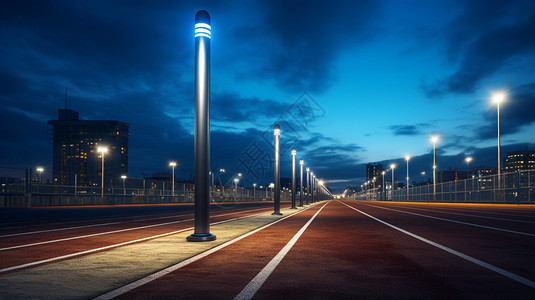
{"x": 201, "y": 237}
{"x": 276, "y": 214}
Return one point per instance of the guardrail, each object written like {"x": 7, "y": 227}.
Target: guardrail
{"x": 19, "y": 195}
{"x": 517, "y": 188}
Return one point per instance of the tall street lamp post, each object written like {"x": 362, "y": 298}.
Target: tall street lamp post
{"x": 276, "y": 200}
{"x": 102, "y": 151}
{"x": 293, "y": 178}
{"x": 434, "y": 140}
{"x": 173, "y": 165}
{"x": 301, "y": 183}
{"x": 407, "y": 158}
{"x": 308, "y": 186}
{"x": 498, "y": 97}
{"x": 202, "y": 129}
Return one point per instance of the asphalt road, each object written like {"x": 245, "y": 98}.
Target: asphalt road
{"x": 331, "y": 250}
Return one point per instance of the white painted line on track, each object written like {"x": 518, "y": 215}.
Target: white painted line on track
{"x": 485, "y": 265}
{"x": 110, "y": 232}
{"x": 254, "y": 285}
{"x": 113, "y": 246}
{"x": 124, "y": 289}
{"x": 468, "y": 215}
{"x": 453, "y": 221}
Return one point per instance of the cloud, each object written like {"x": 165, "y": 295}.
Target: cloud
{"x": 481, "y": 40}
{"x": 234, "y": 108}
{"x": 406, "y": 129}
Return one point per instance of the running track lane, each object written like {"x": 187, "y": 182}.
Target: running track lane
{"x": 225, "y": 273}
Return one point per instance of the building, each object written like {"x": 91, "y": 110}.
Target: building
{"x": 519, "y": 161}
{"x": 375, "y": 170}
{"x": 75, "y": 144}
{"x": 462, "y": 174}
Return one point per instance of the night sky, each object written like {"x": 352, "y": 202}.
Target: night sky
{"x": 350, "y": 82}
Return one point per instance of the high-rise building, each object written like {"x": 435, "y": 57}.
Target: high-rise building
{"x": 519, "y": 161}
{"x": 75, "y": 144}
{"x": 375, "y": 170}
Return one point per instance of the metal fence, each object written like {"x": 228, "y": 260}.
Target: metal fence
{"x": 515, "y": 188}
{"x": 21, "y": 194}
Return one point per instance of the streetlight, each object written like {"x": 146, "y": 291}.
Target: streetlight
{"x": 254, "y": 190}
{"x": 124, "y": 185}
{"x": 301, "y": 162}
{"x": 497, "y": 98}
{"x": 434, "y": 140}
{"x": 40, "y": 170}
{"x": 102, "y": 151}
{"x": 294, "y": 152}
{"x": 276, "y": 168}
{"x": 407, "y": 158}
{"x": 383, "y": 173}
{"x": 236, "y": 187}
{"x": 468, "y": 160}
{"x": 392, "y": 166}
{"x": 173, "y": 165}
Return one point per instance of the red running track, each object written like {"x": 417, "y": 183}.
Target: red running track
{"x": 369, "y": 250}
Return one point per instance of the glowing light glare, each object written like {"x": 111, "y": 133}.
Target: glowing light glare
{"x": 392, "y": 166}
{"x": 321, "y": 182}
{"x": 294, "y": 152}
{"x": 434, "y": 139}
{"x": 172, "y": 164}
{"x": 102, "y": 149}
{"x": 277, "y": 131}
{"x": 498, "y": 97}
{"x": 222, "y": 170}
{"x": 407, "y": 157}
{"x": 40, "y": 169}
{"x": 123, "y": 176}
{"x": 203, "y": 29}
{"x": 308, "y": 169}
{"x": 383, "y": 172}
{"x": 301, "y": 162}
{"x": 468, "y": 159}
{"x": 236, "y": 179}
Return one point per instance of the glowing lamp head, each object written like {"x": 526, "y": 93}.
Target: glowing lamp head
{"x": 277, "y": 131}
{"x": 236, "y": 180}
{"x": 294, "y": 152}
{"x": 498, "y": 97}
{"x": 254, "y": 184}
{"x": 40, "y": 169}
{"x": 383, "y": 172}
{"x": 172, "y": 164}
{"x": 123, "y": 176}
{"x": 392, "y": 166}
{"x": 308, "y": 169}
{"x": 407, "y": 158}
{"x": 202, "y": 25}
{"x": 222, "y": 170}
{"x": 102, "y": 149}
{"x": 301, "y": 162}
{"x": 468, "y": 159}
{"x": 434, "y": 139}
{"x": 320, "y": 182}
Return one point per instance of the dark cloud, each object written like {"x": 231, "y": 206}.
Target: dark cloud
{"x": 481, "y": 40}
{"x": 233, "y": 107}
{"x": 300, "y": 40}
{"x": 406, "y": 129}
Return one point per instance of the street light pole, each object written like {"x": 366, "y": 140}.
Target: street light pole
{"x": 301, "y": 183}
{"x": 124, "y": 185}
{"x": 173, "y": 165}
{"x": 254, "y": 190}
{"x": 277, "y": 199}
{"x": 308, "y": 186}
{"x": 202, "y": 129}
{"x": 293, "y": 178}
{"x": 102, "y": 151}
{"x": 434, "y": 139}
{"x": 407, "y": 158}
{"x": 499, "y": 97}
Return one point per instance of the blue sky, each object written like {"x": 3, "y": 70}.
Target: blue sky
{"x": 376, "y": 77}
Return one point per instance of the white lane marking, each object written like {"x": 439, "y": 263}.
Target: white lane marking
{"x": 114, "y": 246}
{"x": 454, "y": 221}
{"x": 503, "y": 272}
{"x": 104, "y": 224}
{"x": 124, "y": 289}
{"x": 254, "y": 285}
{"x": 108, "y": 232}
{"x": 468, "y": 215}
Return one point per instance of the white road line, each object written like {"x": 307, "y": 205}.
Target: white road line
{"x": 456, "y": 253}
{"x": 124, "y": 289}
{"x": 110, "y": 232}
{"x": 113, "y": 246}
{"x": 254, "y": 285}
{"x": 468, "y": 215}
{"x": 454, "y": 221}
